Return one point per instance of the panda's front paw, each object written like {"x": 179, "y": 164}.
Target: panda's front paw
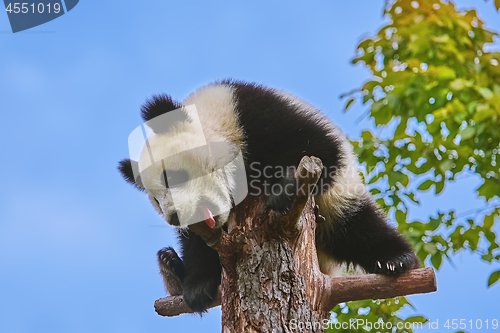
{"x": 397, "y": 265}
{"x": 199, "y": 297}
{"x": 171, "y": 269}
{"x": 169, "y": 260}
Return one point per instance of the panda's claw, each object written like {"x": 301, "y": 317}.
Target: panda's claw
{"x": 169, "y": 258}
{"x": 319, "y": 218}
{"x": 396, "y": 265}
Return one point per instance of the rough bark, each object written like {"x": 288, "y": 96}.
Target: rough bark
{"x": 270, "y": 268}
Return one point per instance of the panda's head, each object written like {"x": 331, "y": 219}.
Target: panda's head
{"x": 188, "y": 179}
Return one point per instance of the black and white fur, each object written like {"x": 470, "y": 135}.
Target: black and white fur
{"x": 273, "y": 129}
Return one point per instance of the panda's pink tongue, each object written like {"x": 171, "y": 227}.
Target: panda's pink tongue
{"x": 208, "y": 216}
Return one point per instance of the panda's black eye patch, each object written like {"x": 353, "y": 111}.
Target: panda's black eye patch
{"x": 171, "y": 178}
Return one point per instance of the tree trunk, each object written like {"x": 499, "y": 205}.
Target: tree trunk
{"x": 271, "y": 278}
{"x": 270, "y": 270}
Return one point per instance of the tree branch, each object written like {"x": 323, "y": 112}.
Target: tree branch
{"x": 340, "y": 290}
{"x": 376, "y": 286}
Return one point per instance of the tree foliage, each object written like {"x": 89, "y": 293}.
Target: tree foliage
{"x": 435, "y": 87}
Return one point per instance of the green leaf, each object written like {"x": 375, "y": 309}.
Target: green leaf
{"x": 489, "y": 220}
{"x": 370, "y": 85}
{"x": 489, "y": 189}
{"x": 430, "y": 248}
{"x": 497, "y": 4}
{"x": 439, "y": 187}
{"x": 494, "y": 277}
{"x": 348, "y": 104}
{"x": 411, "y": 196}
{"x": 468, "y": 132}
{"x": 426, "y": 185}
{"x": 445, "y": 73}
{"x": 487, "y": 257}
{"x": 486, "y": 93}
{"x": 400, "y": 216}
{"x": 368, "y": 97}
{"x": 417, "y": 319}
{"x": 381, "y": 113}
{"x": 436, "y": 260}
{"x": 445, "y": 165}
{"x": 395, "y": 177}
{"x": 400, "y": 130}
{"x": 483, "y": 113}
{"x": 425, "y": 168}
{"x": 367, "y": 135}
{"x": 472, "y": 236}
{"x": 440, "y": 39}
{"x": 458, "y": 84}
{"x": 405, "y": 181}
{"x": 435, "y": 223}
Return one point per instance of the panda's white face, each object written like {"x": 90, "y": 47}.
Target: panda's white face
{"x": 186, "y": 185}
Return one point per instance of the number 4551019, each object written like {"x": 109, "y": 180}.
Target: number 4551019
{"x": 25, "y": 8}
{"x": 471, "y": 324}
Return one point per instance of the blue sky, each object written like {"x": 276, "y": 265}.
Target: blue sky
{"x": 77, "y": 244}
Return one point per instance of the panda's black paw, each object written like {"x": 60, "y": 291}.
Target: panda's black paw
{"x": 168, "y": 259}
{"x": 200, "y": 296}
{"x": 172, "y": 270}
{"x": 282, "y": 194}
{"x": 396, "y": 265}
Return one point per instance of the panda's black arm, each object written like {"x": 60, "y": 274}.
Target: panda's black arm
{"x": 202, "y": 271}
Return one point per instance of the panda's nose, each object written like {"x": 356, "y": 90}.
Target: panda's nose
{"x": 174, "y": 220}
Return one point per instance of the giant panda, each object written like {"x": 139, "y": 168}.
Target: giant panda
{"x": 273, "y": 130}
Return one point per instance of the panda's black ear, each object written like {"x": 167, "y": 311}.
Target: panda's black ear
{"x": 128, "y": 169}
{"x": 159, "y": 105}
